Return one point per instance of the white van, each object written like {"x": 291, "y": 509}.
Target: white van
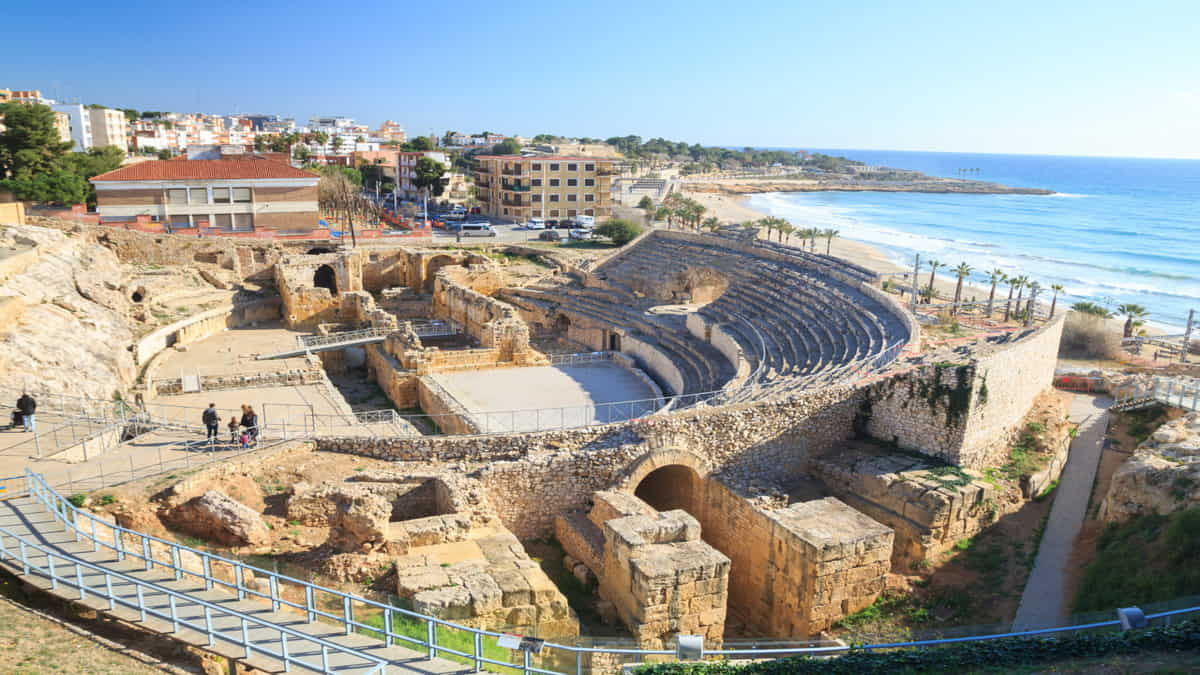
{"x": 585, "y": 222}
{"x": 535, "y": 224}
{"x": 477, "y": 230}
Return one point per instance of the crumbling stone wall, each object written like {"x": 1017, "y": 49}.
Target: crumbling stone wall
{"x": 656, "y": 571}
{"x": 304, "y": 303}
{"x": 928, "y": 511}
{"x": 965, "y": 413}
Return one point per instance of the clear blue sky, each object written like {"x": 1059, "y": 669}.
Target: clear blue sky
{"x": 1101, "y": 78}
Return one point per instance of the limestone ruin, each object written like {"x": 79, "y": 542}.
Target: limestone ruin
{"x": 736, "y": 497}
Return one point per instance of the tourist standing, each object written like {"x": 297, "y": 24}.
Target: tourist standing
{"x": 27, "y": 406}
{"x": 233, "y": 430}
{"x": 250, "y": 421}
{"x": 212, "y": 422}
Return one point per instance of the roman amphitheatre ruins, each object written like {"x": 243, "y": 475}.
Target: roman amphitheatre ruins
{"x": 717, "y": 435}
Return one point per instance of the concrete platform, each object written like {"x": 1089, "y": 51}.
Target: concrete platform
{"x": 548, "y": 397}
{"x": 232, "y": 352}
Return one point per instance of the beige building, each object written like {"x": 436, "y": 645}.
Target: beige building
{"x": 234, "y": 195}
{"x": 62, "y": 122}
{"x": 517, "y": 188}
{"x": 109, "y": 127}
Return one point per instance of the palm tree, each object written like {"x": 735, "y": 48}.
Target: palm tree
{"x": 664, "y": 213}
{"x": 1012, "y": 286}
{"x": 1085, "y": 307}
{"x": 767, "y": 224}
{"x": 933, "y": 268}
{"x": 1131, "y": 312}
{"x": 1022, "y": 282}
{"x": 786, "y": 229}
{"x": 995, "y": 277}
{"x": 711, "y": 223}
{"x": 961, "y": 272}
{"x": 1057, "y": 288}
{"x": 1033, "y": 291}
{"x": 829, "y": 234}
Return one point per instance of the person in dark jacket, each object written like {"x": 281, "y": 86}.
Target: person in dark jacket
{"x": 212, "y": 422}
{"x": 27, "y": 406}
{"x": 250, "y": 422}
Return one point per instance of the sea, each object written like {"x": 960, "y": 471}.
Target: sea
{"x": 1117, "y": 230}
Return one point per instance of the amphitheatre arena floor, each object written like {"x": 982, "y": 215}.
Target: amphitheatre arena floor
{"x": 548, "y": 397}
{"x": 232, "y": 352}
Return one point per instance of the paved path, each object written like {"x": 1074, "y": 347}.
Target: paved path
{"x": 1044, "y": 602}
{"x": 26, "y": 519}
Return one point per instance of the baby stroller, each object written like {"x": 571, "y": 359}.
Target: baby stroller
{"x": 15, "y": 421}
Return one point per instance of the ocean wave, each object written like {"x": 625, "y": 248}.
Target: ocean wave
{"x": 1066, "y": 195}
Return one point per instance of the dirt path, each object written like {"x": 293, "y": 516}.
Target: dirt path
{"x": 1044, "y": 602}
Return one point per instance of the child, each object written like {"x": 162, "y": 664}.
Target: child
{"x": 233, "y": 430}
{"x": 245, "y": 439}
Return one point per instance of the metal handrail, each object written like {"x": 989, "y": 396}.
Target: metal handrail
{"x": 60, "y": 508}
{"x": 76, "y": 581}
{"x": 309, "y": 341}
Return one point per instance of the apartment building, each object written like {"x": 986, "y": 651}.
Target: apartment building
{"x": 109, "y": 127}
{"x": 233, "y": 195}
{"x": 389, "y": 131}
{"x": 80, "y": 124}
{"x": 517, "y": 188}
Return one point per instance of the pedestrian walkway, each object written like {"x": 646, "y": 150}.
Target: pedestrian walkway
{"x": 1044, "y": 602}
{"x": 50, "y": 554}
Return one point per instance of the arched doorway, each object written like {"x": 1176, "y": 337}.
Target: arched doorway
{"x": 562, "y": 324}
{"x": 674, "y": 486}
{"x": 431, "y": 270}
{"x": 325, "y": 277}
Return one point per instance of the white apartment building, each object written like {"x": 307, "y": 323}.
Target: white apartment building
{"x": 81, "y": 124}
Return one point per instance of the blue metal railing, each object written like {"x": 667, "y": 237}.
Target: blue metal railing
{"x": 316, "y": 596}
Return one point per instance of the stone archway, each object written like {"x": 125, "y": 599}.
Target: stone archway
{"x": 326, "y": 277}
{"x": 431, "y": 269}
{"x": 670, "y": 487}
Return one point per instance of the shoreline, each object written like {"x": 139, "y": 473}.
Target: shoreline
{"x": 734, "y": 208}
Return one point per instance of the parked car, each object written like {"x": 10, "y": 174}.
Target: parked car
{"x": 581, "y": 234}
{"x": 477, "y": 230}
{"x": 550, "y": 235}
{"x": 535, "y": 224}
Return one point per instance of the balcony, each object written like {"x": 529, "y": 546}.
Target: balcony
{"x": 482, "y": 168}
{"x": 484, "y": 184}
{"x": 512, "y": 171}
{"x": 509, "y": 201}
{"x": 483, "y": 196}
{"x": 607, "y": 172}
{"x": 516, "y": 188}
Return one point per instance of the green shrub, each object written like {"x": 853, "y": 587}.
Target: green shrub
{"x": 619, "y": 230}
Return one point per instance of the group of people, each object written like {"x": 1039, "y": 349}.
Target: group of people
{"x": 243, "y": 431}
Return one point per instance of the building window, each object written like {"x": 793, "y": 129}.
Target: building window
{"x": 536, "y": 166}
{"x": 554, "y": 182}
{"x": 572, "y": 167}
{"x": 589, "y": 212}
{"x": 553, "y": 198}
{"x": 589, "y": 198}
{"x": 572, "y": 197}
{"x": 571, "y": 213}
{"x": 220, "y": 195}
{"x": 554, "y": 167}
{"x": 553, "y": 213}
{"x": 589, "y": 167}
{"x": 243, "y": 221}
{"x": 536, "y": 198}
{"x": 505, "y": 211}
{"x": 177, "y": 196}
{"x": 241, "y": 196}
{"x": 589, "y": 182}
{"x": 535, "y": 182}
{"x": 223, "y": 221}
{"x": 198, "y": 196}
{"x": 572, "y": 182}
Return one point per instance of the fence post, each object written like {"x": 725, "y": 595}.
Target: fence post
{"x": 308, "y": 603}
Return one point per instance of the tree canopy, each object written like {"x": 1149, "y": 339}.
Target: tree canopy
{"x": 506, "y": 147}
{"x": 418, "y": 144}
{"x": 429, "y": 175}
{"x": 712, "y": 157}
{"x": 29, "y": 144}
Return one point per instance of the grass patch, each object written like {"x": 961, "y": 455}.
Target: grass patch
{"x": 1146, "y": 559}
{"x": 452, "y": 638}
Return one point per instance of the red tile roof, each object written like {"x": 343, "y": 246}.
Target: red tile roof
{"x": 204, "y": 169}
